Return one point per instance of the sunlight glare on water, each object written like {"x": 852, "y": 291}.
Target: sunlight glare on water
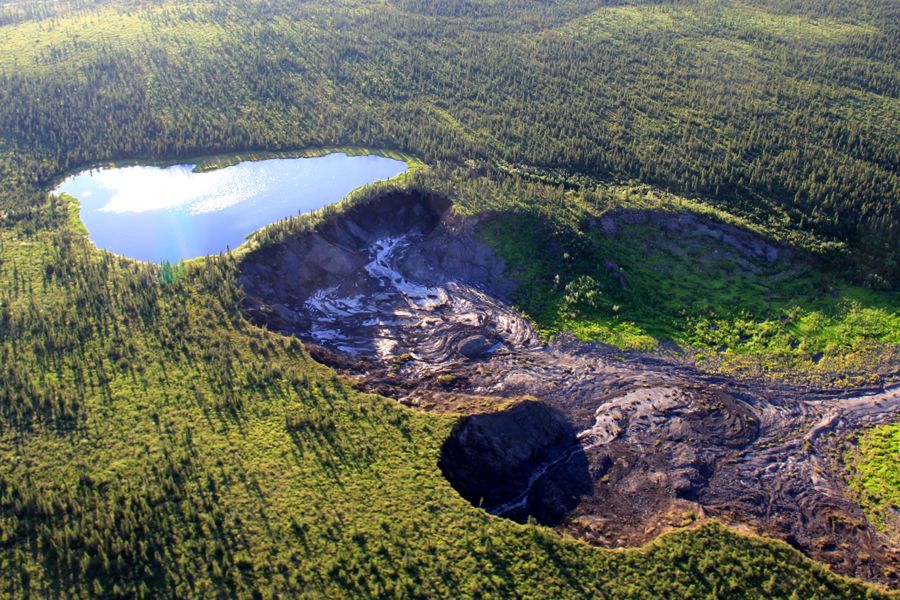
{"x": 141, "y": 189}
{"x": 155, "y": 214}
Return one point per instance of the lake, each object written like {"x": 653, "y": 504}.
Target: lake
{"x": 155, "y": 214}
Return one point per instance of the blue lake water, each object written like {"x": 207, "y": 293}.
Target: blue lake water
{"x": 155, "y": 214}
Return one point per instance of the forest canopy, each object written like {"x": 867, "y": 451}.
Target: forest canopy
{"x": 154, "y": 443}
{"x": 781, "y": 111}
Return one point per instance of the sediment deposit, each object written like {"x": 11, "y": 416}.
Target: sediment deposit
{"x": 612, "y": 447}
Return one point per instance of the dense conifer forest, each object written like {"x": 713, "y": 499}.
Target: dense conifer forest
{"x": 782, "y": 111}
{"x": 156, "y": 444}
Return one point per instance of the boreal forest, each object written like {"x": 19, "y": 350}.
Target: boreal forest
{"x": 634, "y": 328}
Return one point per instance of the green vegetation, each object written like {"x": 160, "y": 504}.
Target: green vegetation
{"x": 654, "y": 281}
{"x": 154, "y": 444}
{"x": 875, "y": 468}
{"x": 781, "y": 111}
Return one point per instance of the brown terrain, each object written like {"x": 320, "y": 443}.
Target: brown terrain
{"x": 612, "y": 447}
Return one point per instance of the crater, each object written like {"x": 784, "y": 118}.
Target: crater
{"x": 402, "y": 295}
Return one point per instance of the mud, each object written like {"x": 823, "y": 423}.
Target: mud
{"x": 612, "y": 447}
{"x": 496, "y": 461}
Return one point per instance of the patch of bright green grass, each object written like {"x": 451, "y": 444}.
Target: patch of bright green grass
{"x": 749, "y": 21}
{"x": 877, "y": 474}
{"x": 645, "y": 285}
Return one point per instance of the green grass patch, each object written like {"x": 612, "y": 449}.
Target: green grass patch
{"x": 153, "y": 444}
{"x": 647, "y": 284}
{"x": 876, "y": 477}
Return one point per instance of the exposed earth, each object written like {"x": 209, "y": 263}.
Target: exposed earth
{"x": 612, "y": 447}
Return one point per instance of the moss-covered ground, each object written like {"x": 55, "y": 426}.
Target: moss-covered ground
{"x": 875, "y": 475}
{"x": 646, "y": 285}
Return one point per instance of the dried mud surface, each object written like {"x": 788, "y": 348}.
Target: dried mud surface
{"x": 612, "y": 447}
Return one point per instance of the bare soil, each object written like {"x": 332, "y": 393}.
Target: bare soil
{"x": 612, "y": 447}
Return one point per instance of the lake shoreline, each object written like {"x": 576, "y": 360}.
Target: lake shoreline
{"x": 155, "y": 211}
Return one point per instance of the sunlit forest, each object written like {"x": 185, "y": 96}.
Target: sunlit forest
{"x": 156, "y": 444}
{"x": 778, "y": 110}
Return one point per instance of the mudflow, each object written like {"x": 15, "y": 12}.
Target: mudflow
{"x": 611, "y": 447}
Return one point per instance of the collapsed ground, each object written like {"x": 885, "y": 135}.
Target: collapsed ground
{"x": 612, "y": 447}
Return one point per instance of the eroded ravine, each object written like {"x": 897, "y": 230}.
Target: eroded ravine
{"x": 615, "y": 449}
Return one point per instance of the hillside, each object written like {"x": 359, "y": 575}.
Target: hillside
{"x": 786, "y": 113}
{"x": 162, "y": 439}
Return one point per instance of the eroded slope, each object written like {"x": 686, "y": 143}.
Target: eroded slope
{"x": 614, "y": 448}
